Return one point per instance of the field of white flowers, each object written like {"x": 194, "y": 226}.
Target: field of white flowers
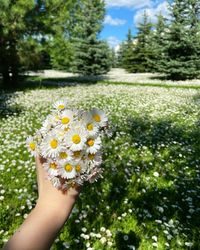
{"x": 149, "y": 197}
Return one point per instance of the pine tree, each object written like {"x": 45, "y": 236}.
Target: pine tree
{"x": 113, "y": 58}
{"x": 61, "y": 51}
{"x": 182, "y": 52}
{"x": 158, "y": 42}
{"x": 120, "y": 54}
{"x": 126, "y": 52}
{"x": 92, "y": 56}
{"x": 142, "y": 51}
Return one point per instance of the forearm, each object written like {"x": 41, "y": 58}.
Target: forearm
{"x": 42, "y": 225}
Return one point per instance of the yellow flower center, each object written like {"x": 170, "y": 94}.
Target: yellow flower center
{"x": 66, "y": 129}
{"x": 53, "y": 165}
{"x": 61, "y": 106}
{"x": 68, "y": 168}
{"x": 90, "y": 142}
{"x": 90, "y": 126}
{"x": 76, "y": 139}
{"x": 91, "y": 156}
{"x": 65, "y": 120}
{"x": 97, "y": 118}
{"x": 77, "y": 154}
{"x": 32, "y": 146}
{"x": 63, "y": 155}
{"x": 54, "y": 143}
{"x": 78, "y": 168}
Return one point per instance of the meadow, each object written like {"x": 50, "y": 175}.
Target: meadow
{"x": 149, "y": 196}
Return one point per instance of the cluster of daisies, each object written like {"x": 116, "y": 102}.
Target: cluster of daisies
{"x": 70, "y": 143}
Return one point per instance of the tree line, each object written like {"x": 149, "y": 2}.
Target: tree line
{"x": 41, "y": 34}
{"x": 59, "y": 34}
{"x": 171, "y": 46}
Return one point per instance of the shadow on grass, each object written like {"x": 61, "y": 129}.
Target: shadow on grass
{"x": 32, "y": 82}
{"x": 6, "y": 109}
{"x": 175, "y": 151}
{"x": 35, "y": 82}
{"x": 27, "y": 82}
{"x": 123, "y": 240}
{"x": 174, "y": 154}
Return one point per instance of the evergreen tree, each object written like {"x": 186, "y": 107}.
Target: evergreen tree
{"x": 113, "y": 58}
{"x": 61, "y": 51}
{"x": 61, "y": 45}
{"x": 142, "y": 51}
{"x": 158, "y": 42}
{"x": 182, "y": 52}
{"x": 92, "y": 56}
{"x": 126, "y": 52}
{"x": 120, "y": 54}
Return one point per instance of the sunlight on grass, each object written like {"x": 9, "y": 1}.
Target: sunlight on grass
{"x": 149, "y": 197}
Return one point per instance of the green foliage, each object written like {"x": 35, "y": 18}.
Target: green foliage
{"x": 114, "y": 59}
{"x": 171, "y": 47}
{"x": 92, "y": 56}
{"x": 136, "y": 54}
{"x": 26, "y": 27}
{"x": 142, "y": 49}
{"x": 13, "y": 26}
{"x": 126, "y": 53}
{"x": 158, "y": 42}
{"x": 182, "y": 49}
{"x": 62, "y": 53}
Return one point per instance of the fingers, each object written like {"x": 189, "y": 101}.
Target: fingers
{"x": 41, "y": 174}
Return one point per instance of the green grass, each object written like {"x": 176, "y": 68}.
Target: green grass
{"x": 149, "y": 196}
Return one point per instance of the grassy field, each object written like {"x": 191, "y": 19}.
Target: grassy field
{"x": 149, "y": 197}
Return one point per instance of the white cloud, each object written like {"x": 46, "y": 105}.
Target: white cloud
{"x": 113, "y": 42}
{"x": 114, "y": 21}
{"x": 152, "y": 12}
{"x": 128, "y": 3}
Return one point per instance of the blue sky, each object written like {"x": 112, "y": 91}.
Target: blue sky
{"x": 124, "y": 14}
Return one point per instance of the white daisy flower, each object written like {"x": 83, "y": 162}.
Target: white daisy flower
{"x": 60, "y": 105}
{"x": 51, "y": 146}
{"x": 80, "y": 167}
{"x": 65, "y": 155}
{"x": 67, "y": 170}
{"x": 94, "y": 159}
{"x": 99, "y": 117}
{"x": 65, "y": 186}
{"x": 49, "y": 123}
{"x": 89, "y": 124}
{"x": 51, "y": 167}
{"x": 32, "y": 145}
{"x": 79, "y": 181}
{"x": 94, "y": 175}
{"x": 93, "y": 145}
{"x": 38, "y": 137}
{"x": 56, "y": 182}
{"x": 59, "y": 132}
{"x": 75, "y": 139}
{"x": 77, "y": 155}
{"x": 66, "y": 118}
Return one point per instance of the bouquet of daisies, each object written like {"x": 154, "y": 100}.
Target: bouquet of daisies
{"x": 70, "y": 142}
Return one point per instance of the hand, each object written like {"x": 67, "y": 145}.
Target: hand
{"x": 49, "y": 194}
{"x": 42, "y": 225}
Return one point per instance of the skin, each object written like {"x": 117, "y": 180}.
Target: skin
{"x": 44, "y": 222}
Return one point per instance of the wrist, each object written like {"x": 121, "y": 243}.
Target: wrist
{"x": 60, "y": 203}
